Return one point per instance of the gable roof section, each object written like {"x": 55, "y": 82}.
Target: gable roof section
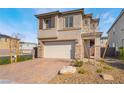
{"x": 6, "y": 36}
{"x": 73, "y": 11}
{"x": 47, "y": 14}
{"x": 68, "y": 12}
{"x": 122, "y": 12}
{"x": 57, "y": 12}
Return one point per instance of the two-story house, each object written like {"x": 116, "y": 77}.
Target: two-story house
{"x": 70, "y": 34}
{"x": 116, "y": 32}
{"x": 7, "y": 44}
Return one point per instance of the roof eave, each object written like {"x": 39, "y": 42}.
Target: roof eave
{"x": 46, "y": 14}
{"x": 116, "y": 20}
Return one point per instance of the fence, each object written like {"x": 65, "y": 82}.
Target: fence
{"x": 111, "y": 52}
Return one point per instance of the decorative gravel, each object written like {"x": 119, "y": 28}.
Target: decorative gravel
{"x": 93, "y": 77}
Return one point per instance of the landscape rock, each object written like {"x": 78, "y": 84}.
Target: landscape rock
{"x": 107, "y": 77}
{"x": 68, "y": 70}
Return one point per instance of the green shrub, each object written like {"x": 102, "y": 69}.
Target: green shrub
{"x": 24, "y": 58}
{"x": 4, "y": 60}
{"x": 99, "y": 70}
{"x": 78, "y": 63}
{"x": 107, "y": 67}
{"x": 101, "y": 61}
{"x": 81, "y": 71}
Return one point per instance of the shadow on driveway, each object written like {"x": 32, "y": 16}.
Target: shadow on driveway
{"x": 115, "y": 63}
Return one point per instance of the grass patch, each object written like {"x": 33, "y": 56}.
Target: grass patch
{"x": 99, "y": 70}
{"x": 102, "y": 61}
{"x": 81, "y": 71}
{"x": 77, "y": 63}
{"x": 107, "y": 68}
{"x": 121, "y": 58}
{"x": 121, "y": 53}
{"x": 6, "y": 60}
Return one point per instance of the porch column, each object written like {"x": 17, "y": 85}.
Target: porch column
{"x": 97, "y": 48}
{"x": 40, "y": 50}
{"x": 83, "y": 51}
{"x": 78, "y": 52}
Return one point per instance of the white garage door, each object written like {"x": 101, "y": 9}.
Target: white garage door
{"x": 61, "y": 49}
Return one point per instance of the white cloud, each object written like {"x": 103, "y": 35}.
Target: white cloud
{"x": 106, "y": 19}
{"x": 10, "y": 29}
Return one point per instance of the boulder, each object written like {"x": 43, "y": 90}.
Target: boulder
{"x": 107, "y": 77}
{"x": 68, "y": 70}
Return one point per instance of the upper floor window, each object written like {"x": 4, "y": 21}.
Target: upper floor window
{"x": 69, "y": 21}
{"x": 49, "y": 22}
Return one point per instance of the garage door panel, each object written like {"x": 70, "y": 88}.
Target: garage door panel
{"x": 63, "y": 49}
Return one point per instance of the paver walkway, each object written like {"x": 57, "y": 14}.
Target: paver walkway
{"x": 33, "y": 71}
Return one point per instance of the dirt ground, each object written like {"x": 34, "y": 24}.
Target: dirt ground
{"x": 91, "y": 76}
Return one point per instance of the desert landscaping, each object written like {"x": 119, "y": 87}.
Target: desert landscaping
{"x": 90, "y": 73}
{"x": 69, "y": 48}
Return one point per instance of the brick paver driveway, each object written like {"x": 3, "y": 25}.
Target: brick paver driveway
{"x": 34, "y": 71}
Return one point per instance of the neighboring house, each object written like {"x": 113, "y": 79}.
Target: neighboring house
{"x": 7, "y": 44}
{"x": 70, "y": 34}
{"x": 116, "y": 32}
{"x": 104, "y": 41}
{"x": 27, "y": 47}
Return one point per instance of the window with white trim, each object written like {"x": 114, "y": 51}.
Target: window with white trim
{"x": 69, "y": 21}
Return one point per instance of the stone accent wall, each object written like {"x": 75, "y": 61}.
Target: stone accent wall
{"x": 97, "y": 49}
{"x": 78, "y": 51}
{"x": 40, "y": 50}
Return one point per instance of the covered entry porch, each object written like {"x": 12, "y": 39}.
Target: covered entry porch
{"x": 91, "y": 45}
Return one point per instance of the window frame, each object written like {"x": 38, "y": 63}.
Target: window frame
{"x": 69, "y": 21}
{"x": 47, "y": 23}
{"x": 50, "y": 24}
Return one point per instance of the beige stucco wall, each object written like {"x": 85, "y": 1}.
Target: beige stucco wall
{"x": 5, "y": 44}
{"x": 97, "y": 48}
{"x": 66, "y": 35}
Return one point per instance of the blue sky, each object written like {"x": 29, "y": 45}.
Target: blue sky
{"x": 22, "y": 20}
